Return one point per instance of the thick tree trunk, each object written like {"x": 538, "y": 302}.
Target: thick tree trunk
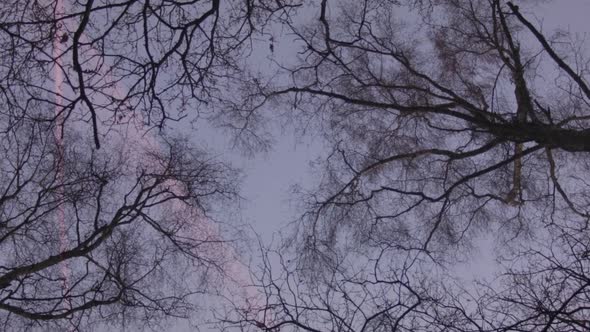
{"x": 547, "y": 135}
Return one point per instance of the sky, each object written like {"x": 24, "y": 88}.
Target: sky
{"x": 268, "y": 177}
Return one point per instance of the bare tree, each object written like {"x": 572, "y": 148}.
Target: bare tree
{"x": 97, "y": 222}
{"x": 448, "y": 120}
{"x": 358, "y": 294}
{"x": 151, "y": 61}
{"x": 91, "y": 236}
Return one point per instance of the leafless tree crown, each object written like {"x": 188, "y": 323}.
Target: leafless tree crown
{"x": 450, "y": 121}
{"x": 103, "y": 220}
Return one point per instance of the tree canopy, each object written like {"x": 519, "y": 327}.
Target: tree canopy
{"x": 450, "y": 123}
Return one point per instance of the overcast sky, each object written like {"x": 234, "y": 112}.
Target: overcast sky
{"x": 269, "y": 176}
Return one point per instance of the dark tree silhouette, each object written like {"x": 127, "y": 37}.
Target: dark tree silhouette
{"x": 91, "y": 236}
{"x": 151, "y": 60}
{"x": 101, "y": 218}
{"x": 450, "y": 121}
